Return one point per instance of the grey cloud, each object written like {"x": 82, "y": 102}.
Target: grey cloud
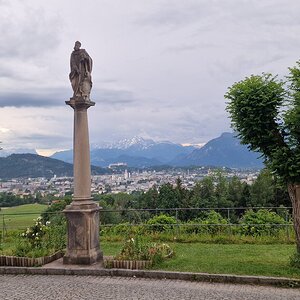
{"x": 177, "y": 13}
{"x": 26, "y": 34}
{"x": 190, "y": 47}
{"x": 45, "y": 99}
{"x": 57, "y": 97}
{"x": 182, "y": 48}
{"x": 6, "y": 73}
{"x": 14, "y": 71}
{"x": 115, "y": 98}
{"x": 48, "y": 138}
{"x": 109, "y": 80}
{"x": 272, "y": 13}
{"x": 35, "y": 141}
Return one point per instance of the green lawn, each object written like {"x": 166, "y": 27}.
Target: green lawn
{"x": 20, "y": 217}
{"x": 265, "y": 260}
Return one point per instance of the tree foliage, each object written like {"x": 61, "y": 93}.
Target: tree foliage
{"x": 265, "y": 112}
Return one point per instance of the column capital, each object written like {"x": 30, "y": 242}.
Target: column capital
{"x": 80, "y": 102}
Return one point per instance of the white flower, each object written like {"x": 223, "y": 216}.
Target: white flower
{"x": 48, "y": 223}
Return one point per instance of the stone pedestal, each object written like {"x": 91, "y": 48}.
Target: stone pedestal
{"x": 83, "y": 234}
{"x": 82, "y": 214}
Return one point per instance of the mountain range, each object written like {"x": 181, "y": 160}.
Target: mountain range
{"x": 224, "y": 151}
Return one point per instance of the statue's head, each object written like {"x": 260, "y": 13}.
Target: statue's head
{"x": 77, "y": 45}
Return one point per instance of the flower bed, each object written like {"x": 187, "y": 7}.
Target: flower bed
{"x": 127, "y": 264}
{"x": 14, "y": 261}
{"x": 138, "y": 253}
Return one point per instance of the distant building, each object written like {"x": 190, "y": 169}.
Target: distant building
{"x": 117, "y": 165}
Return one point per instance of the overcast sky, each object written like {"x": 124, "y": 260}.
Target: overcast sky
{"x": 161, "y": 67}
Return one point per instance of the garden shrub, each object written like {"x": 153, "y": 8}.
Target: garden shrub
{"x": 41, "y": 239}
{"x": 138, "y": 248}
{"x": 295, "y": 260}
{"x": 211, "y": 223}
{"x": 55, "y": 238}
{"x": 122, "y": 229}
{"x": 55, "y": 210}
{"x": 161, "y": 223}
{"x": 35, "y": 233}
{"x": 262, "y": 222}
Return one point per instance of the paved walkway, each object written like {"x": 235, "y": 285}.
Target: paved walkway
{"x": 59, "y": 287}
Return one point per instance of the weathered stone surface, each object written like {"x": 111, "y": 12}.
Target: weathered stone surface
{"x": 81, "y": 68}
{"x": 83, "y": 214}
{"x": 83, "y": 233}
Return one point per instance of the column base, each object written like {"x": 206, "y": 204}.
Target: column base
{"x": 83, "y": 247}
{"x": 80, "y": 259}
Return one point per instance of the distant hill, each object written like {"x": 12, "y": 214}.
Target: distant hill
{"x": 224, "y": 151}
{"x": 33, "y": 165}
{"x": 5, "y": 152}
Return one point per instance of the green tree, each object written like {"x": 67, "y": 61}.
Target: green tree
{"x": 221, "y": 191}
{"x": 245, "y": 197}
{"x": 149, "y": 199}
{"x": 184, "y": 200}
{"x": 235, "y": 191}
{"x": 263, "y": 190}
{"x": 204, "y": 193}
{"x": 265, "y": 112}
{"x": 168, "y": 197}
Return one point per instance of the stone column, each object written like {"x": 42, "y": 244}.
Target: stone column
{"x": 83, "y": 213}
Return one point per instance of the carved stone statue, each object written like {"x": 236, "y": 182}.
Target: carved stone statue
{"x": 80, "y": 75}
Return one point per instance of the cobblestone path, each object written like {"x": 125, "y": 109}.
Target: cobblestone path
{"x": 58, "y": 287}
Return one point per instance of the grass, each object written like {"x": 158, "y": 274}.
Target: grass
{"x": 110, "y": 248}
{"x": 244, "y": 259}
{"x": 20, "y": 217}
{"x": 219, "y": 256}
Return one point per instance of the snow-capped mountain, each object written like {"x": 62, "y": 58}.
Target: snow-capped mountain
{"x": 124, "y": 144}
{"x": 225, "y": 150}
{"x": 136, "y": 152}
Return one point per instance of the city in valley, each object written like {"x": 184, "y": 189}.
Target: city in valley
{"x": 122, "y": 181}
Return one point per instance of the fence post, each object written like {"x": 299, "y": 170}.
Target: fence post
{"x": 3, "y": 225}
{"x": 287, "y": 225}
{"x": 229, "y": 221}
{"x": 177, "y": 224}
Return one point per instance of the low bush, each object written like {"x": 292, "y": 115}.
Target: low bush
{"x": 161, "y": 223}
{"x": 55, "y": 238}
{"x": 137, "y": 248}
{"x": 211, "y": 223}
{"x": 262, "y": 222}
{"x": 122, "y": 229}
{"x": 40, "y": 239}
{"x": 295, "y": 260}
{"x": 35, "y": 233}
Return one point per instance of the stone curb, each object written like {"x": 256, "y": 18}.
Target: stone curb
{"x": 187, "y": 276}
